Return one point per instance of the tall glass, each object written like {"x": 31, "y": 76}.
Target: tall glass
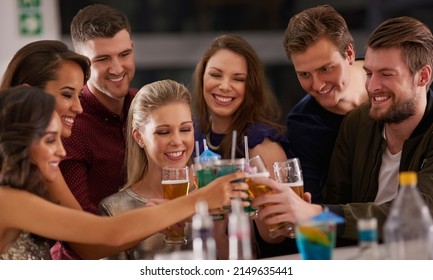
{"x": 175, "y": 183}
{"x": 289, "y": 173}
{"x": 209, "y": 170}
{"x": 256, "y": 167}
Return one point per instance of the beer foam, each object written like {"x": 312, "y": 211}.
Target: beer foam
{"x": 255, "y": 175}
{"x": 168, "y": 182}
{"x": 295, "y": 184}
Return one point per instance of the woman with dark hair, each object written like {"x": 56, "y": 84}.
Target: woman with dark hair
{"x": 231, "y": 93}
{"x": 50, "y": 65}
{"x": 30, "y": 152}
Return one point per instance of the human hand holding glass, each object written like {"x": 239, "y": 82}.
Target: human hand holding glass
{"x": 208, "y": 171}
{"x": 175, "y": 183}
{"x": 255, "y": 169}
{"x": 289, "y": 173}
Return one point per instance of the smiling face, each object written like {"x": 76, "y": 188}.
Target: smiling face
{"x": 112, "y": 64}
{"x": 324, "y": 73}
{"x": 224, "y": 84}
{"x": 47, "y": 152}
{"x": 67, "y": 89}
{"x": 168, "y": 136}
{"x": 390, "y": 84}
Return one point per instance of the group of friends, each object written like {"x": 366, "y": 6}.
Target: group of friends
{"x": 78, "y": 143}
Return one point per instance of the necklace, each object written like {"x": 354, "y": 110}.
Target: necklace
{"x": 209, "y": 144}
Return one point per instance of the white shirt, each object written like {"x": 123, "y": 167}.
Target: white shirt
{"x": 388, "y": 176}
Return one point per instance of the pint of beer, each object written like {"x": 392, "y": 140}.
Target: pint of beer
{"x": 256, "y": 190}
{"x": 297, "y": 187}
{"x": 289, "y": 173}
{"x": 175, "y": 188}
{"x": 175, "y": 183}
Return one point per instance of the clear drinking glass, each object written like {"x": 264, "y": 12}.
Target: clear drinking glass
{"x": 256, "y": 167}
{"x": 316, "y": 240}
{"x": 208, "y": 171}
{"x": 175, "y": 183}
{"x": 289, "y": 173}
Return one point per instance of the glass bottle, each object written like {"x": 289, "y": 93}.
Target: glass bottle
{"x": 408, "y": 228}
{"x": 203, "y": 243}
{"x": 368, "y": 242}
{"x": 239, "y": 233}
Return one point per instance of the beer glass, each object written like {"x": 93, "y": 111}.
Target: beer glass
{"x": 175, "y": 183}
{"x": 256, "y": 167}
{"x": 289, "y": 173}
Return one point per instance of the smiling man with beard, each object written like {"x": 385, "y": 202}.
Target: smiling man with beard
{"x": 393, "y": 132}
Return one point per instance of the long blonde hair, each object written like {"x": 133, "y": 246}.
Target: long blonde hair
{"x": 149, "y": 98}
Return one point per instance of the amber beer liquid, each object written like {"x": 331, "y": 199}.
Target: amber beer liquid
{"x": 277, "y": 229}
{"x": 175, "y": 188}
{"x": 256, "y": 190}
{"x": 297, "y": 187}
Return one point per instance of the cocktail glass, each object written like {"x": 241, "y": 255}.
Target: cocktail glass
{"x": 209, "y": 170}
{"x": 316, "y": 240}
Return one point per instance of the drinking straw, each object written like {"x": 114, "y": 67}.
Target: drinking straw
{"x": 234, "y": 135}
{"x": 197, "y": 149}
{"x": 204, "y": 144}
{"x": 247, "y": 156}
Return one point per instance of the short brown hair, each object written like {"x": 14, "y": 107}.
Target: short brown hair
{"x": 97, "y": 21}
{"x": 310, "y": 25}
{"x": 413, "y": 37}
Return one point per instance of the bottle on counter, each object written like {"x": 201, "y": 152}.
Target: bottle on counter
{"x": 367, "y": 240}
{"x": 203, "y": 242}
{"x": 408, "y": 228}
{"x": 239, "y": 231}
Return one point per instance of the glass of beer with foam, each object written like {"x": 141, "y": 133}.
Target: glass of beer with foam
{"x": 175, "y": 183}
{"x": 255, "y": 168}
{"x": 289, "y": 173}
